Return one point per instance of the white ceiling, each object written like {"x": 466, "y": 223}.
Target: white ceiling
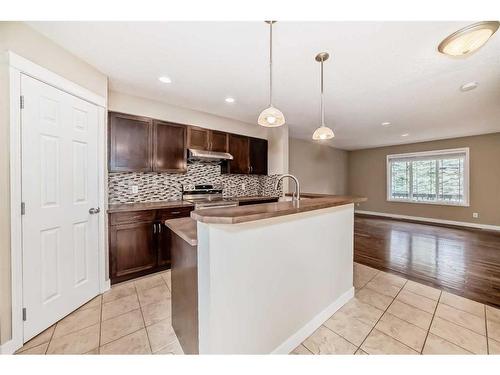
{"x": 379, "y": 71}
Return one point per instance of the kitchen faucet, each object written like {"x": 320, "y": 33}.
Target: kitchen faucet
{"x": 296, "y": 194}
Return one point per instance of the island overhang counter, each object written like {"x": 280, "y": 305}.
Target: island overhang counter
{"x": 266, "y": 276}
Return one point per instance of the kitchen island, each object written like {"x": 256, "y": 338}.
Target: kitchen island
{"x": 261, "y": 278}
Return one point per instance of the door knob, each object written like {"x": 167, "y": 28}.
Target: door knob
{"x": 94, "y": 211}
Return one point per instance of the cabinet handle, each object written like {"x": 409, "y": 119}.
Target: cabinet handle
{"x": 175, "y": 212}
{"x": 159, "y": 228}
{"x": 154, "y": 228}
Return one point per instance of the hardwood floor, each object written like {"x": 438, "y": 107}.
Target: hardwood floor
{"x": 462, "y": 261}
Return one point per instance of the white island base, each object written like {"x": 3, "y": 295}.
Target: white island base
{"x": 265, "y": 286}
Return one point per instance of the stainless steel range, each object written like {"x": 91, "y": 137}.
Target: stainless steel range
{"x": 206, "y": 196}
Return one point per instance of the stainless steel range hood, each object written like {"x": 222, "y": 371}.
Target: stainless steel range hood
{"x": 209, "y": 156}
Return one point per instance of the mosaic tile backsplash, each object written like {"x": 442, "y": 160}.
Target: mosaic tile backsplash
{"x": 168, "y": 186}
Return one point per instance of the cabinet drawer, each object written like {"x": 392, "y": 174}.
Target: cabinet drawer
{"x": 174, "y": 213}
{"x": 131, "y": 217}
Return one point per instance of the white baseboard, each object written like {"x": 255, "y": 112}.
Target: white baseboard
{"x": 106, "y": 285}
{"x": 431, "y": 220}
{"x": 298, "y": 337}
{"x": 9, "y": 347}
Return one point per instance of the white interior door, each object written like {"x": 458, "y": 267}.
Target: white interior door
{"x": 59, "y": 186}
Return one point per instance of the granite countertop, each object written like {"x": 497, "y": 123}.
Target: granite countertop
{"x": 312, "y": 195}
{"x": 185, "y": 228}
{"x": 242, "y": 214}
{"x": 129, "y": 207}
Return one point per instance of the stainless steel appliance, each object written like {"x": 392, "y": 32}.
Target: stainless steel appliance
{"x": 208, "y": 156}
{"x": 206, "y": 196}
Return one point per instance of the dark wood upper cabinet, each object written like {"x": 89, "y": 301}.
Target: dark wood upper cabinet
{"x": 198, "y": 138}
{"x": 258, "y": 155}
{"x": 238, "y": 147}
{"x": 206, "y": 139}
{"x": 218, "y": 141}
{"x": 141, "y": 144}
{"x": 130, "y": 147}
{"x": 169, "y": 147}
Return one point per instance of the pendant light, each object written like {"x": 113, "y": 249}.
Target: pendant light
{"x": 323, "y": 132}
{"x": 271, "y": 117}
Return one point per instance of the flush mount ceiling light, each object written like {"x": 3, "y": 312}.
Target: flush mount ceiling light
{"x": 386, "y": 123}
{"x": 271, "y": 117}
{"x": 165, "y": 79}
{"x": 229, "y": 100}
{"x": 469, "y": 86}
{"x": 468, "y": 39}
{"x": 323, "y": 132}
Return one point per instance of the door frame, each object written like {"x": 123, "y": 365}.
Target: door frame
{"x": 17, "y": 66}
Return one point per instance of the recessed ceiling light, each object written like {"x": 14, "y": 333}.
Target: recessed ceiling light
{"x": 165, "y": 79}
{"x": 468, "y": 39}
{"x": 386, "y": 123}
{"x": 469, "y": 86}
{"x": 405, "y": 135}
{"x": 229, "y": 100}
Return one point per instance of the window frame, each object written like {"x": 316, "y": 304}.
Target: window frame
{"x": 463, "y": 150}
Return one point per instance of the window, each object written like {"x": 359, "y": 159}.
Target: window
{"x": 436, "y": 177}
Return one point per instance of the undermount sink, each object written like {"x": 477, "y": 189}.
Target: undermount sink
{"x": 289, "y": 199}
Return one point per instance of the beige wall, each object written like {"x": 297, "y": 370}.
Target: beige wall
{"x": 367, "y": 177}
{"x": 319, "y": 168}
{"x": 278, "y": 138}
{"x": 24, "y": 41}
{"x": 5, "y": 312}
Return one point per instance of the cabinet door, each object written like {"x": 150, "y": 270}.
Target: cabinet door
{"x": 218, "y": 141}
{"x": 129, "y": 143}
{"x": 238, "y": 147}
{"x": 132, "y": 250}
{"x": 169, "y": 147}
{"x": 165, "y": 234}
{"x": 198, "y": 138}
{"x": 258, "y": 156}
{"x": 164, "y": 238}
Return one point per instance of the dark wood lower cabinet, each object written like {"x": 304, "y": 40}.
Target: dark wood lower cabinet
{"x": 131, "y": 250}
{"x": 139, "y": 242}
{"x": 164, "y": 253}
{"x": 185, "y": 293}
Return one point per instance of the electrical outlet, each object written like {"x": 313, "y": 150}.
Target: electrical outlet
{"x": 134, "y": 189}
{"x": 475, "y": 215}
{"x": 243, "y": 186}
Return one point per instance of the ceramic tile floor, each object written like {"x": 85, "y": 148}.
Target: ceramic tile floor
{"x": 392, "y": 315}
{"x": 132, "y": 318}
{"x": 389, "y": 315}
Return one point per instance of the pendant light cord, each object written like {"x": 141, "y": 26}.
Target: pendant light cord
{"x": 322, "y": 108}
{"x": 271, "y": 64}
